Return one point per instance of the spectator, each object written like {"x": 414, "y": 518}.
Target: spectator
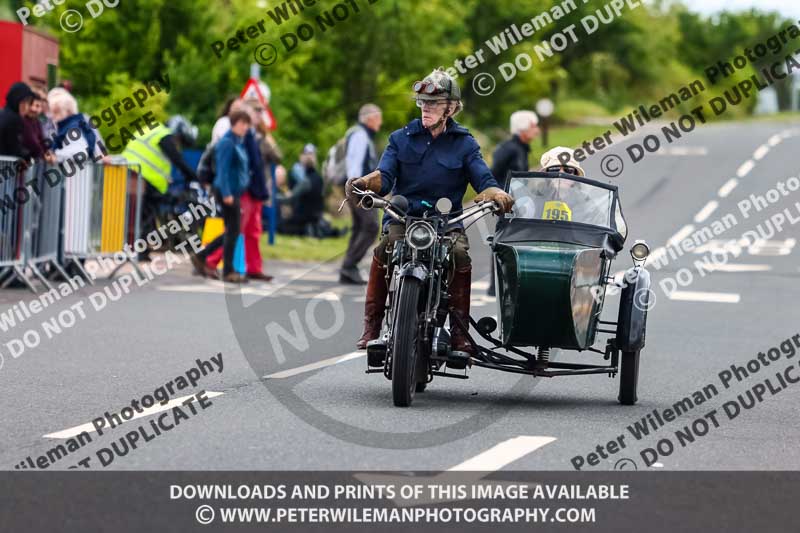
{"x": 33, "y": 135}
{"x": 223, "y": 123}
{"x": 362, "y": 158}
{"x": 307, "y": 196}
{"x": 45, "y": 118}
{"x": 512, "y": 155}
{"x": 64, "y": 110}
{"x": 252, "y": 200}
{"x": 12, "y": 124}
{"x": 231, "y": 181}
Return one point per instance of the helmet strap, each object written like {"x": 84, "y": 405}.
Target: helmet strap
{"x": 444, "y": 118}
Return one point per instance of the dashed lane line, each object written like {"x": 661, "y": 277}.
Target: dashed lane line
{"x": 500, "y": 455}
{"x": 760, "y": 152}
{"x": 471, "y": 471}
{"x": 745, "y": 169}
{"x": 706, "y": 212}
{"x": 89, "y": 427}
{"x": 710, "y": 297}
{"x": 737, "y": 268}
{"x": 680, "y": 235}
{"x": 316, "y": 366}
{"x": 726, "y": 189}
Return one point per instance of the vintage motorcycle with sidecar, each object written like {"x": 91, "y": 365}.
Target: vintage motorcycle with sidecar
{"x": 552, "y": 256}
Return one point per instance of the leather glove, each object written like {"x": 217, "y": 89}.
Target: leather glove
{"x": 370, "y": 182}
{"x": 497, "y": 195}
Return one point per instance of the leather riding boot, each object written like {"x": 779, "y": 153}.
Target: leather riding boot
{"x": 459, "y": 305}
{"x": 374, "y": 307}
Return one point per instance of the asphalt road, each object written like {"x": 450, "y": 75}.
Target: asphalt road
{"x": 287, "y": 403}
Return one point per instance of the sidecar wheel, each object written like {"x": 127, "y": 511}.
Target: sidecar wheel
{"x": 628, "y": 377}
{"x": 404, "y": 353}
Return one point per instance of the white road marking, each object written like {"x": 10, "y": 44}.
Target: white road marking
{"x": 706, "y": 212}
{"x": 772, "y": 247}
{"x": 737, "y": 268}
{"x": 316, "y": 366}
{"x": 775, "y": 140}
{"x": 745, "y": 169}
{"x": 726, "y": 189}
{"x": 480, "y": 285}
{"x": 760, "y": 152}
{"x": 213, "y": 288}
{"x": 471, "y": 471}
{"x": 89, "y": 427}
{"x": 682, "y": 234}
{"x": 683, "y": 151}
{"x": 658, "y": 465}
{"x": 500, "y": 455}
{"x": 712, "y": 297}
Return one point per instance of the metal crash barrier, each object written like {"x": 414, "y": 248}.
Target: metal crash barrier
{"x": 43, "y": 223}
{"x": 102, "y": 213}
{"x": 53, "y": 217}
{"x": 12, "y": 224}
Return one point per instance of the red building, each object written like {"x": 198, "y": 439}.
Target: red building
{"x": 29, "y": 55}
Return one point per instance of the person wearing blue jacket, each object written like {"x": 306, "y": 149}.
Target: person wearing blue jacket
{"x": 430, "y": 158}
{"x": 231, "y": 181}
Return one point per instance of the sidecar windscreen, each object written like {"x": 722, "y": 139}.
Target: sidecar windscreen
{"x": 554, "y": 207}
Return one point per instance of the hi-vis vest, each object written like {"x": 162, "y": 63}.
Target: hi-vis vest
{"x": 144, "y": 151}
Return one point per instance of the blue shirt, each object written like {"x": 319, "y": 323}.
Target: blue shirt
{"x": 232, "y": 166}
{"x": 422, "y": 168}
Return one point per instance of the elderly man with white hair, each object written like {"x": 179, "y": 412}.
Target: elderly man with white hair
{"x": 512, "y": 155}
{"x": 362, "y": 158}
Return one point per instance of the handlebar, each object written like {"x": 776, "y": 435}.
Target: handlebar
{"x": 369, "y": 200}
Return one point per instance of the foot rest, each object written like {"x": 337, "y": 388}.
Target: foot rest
{"x": 376, "y": 353}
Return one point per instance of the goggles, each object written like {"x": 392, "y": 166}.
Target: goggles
{"x": 428, "y": 87}
{"x": 565, "y": 170}
{"x": 435, "y": 104}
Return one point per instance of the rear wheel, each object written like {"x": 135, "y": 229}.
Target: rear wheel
{"x": 404, "y": 352}
{"x": 628, "y": 377}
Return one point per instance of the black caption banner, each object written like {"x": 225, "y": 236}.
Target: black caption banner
{"x": 348, "y": 501}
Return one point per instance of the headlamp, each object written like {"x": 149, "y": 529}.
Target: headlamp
{"x": 420, "y": 236}
{"x": 640, "y": 251}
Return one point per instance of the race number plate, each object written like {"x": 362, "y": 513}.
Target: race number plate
{"x": 555, "y": 210}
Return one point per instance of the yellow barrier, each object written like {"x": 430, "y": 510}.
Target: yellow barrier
{"x": 115, "y": 199}
{"x": 213, "y": 228}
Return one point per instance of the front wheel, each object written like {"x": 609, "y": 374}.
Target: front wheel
{"x": 404, "y": 351}
{"x": 628, "y": 377}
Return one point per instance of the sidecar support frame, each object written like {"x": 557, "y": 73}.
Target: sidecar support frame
{"x": 492, "y": 359}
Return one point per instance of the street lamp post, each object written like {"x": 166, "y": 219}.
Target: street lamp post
{"x": 545, "y": 108}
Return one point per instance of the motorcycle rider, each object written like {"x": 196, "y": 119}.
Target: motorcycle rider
{"x": 155, "y": 153}
{"x": 432, "y": 157}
